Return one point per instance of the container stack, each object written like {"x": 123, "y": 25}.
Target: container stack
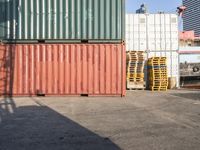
{"x": 135, "y": 70}
{"x": 66, "y": 47}
{"x": 157, "y": 74}
{"x": 158, "y": 35}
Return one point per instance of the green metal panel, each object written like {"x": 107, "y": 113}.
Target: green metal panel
{"x": 62, "y": 20}
{"x": 2, "y": 20}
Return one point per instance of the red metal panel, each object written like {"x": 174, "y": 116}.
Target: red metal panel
{"x": 90, "y": 69}
{"x": 123, "y": 86}
{"x": 102, "y": 70}
{"x": 189, "y": 52}
{"x": 62, "y": 69}
{"x": 187, "y": 35}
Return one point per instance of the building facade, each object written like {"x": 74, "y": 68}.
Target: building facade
{"x": 191, "y": 16}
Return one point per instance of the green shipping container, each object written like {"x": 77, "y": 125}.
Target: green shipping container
{"x": 62, "y": 20}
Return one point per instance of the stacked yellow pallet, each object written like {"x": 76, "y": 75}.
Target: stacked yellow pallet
{"x": 157, "y": 74}
{"x": 135, "y": 70}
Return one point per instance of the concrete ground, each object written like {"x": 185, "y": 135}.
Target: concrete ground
{"x": 143, "y": 120}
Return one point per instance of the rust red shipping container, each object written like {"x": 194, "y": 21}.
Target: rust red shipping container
{"x": 62, "y": 69}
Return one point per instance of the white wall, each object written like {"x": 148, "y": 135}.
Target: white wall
{"x": 152, "y": 32}
{"x": 190, "y": 58}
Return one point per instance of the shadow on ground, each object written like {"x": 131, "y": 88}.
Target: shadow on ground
{"x": 39, "y": 127}
{"x": 190, "y": 95}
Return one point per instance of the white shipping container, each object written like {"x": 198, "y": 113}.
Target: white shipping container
{"x": 190, "y": 58}
{"x": 136, "y": 33}
{"x": 172, "y": 62}
{"x": 152, "y": 32}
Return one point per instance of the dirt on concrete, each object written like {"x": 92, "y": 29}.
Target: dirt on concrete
{"x": 143, "y": 120}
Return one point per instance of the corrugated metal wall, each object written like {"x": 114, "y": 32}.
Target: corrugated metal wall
{"x": 56, "y": 69}
{"x": 152, "y": 32}
{"x": 62, "y": 19}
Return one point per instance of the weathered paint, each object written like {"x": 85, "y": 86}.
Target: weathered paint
{"x": 62, "y": 20}
{"x": 62, "y": 69}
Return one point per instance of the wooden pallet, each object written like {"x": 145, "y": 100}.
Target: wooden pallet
{"x": 134, "y": 71}
{"x": 136, "y": 85}
{"x": 135, "y": 62}
{"x": 158, "y": 88}
{"x": 158, "y": 84}
{"x": 135, "y": 66}
{"x": 138, "y": 52}
{"x": 135, "y": 56}
{"x": 135, "y": 80}
{"x": 152, "y": 74}
{"x": 135, "y": 75}
{"x": 138, "y": 68}
{"x": 156, "y": 61}
{"x": 158, "y": 79}
{"x": 136, "y": 59}
{"x": 158, "y": 58}
{"x": 158, "y": 68}
{"x": 151, "y": 71}
{"x": 156, "y": 64}
{"x": 158, "y": 72}
{"x": 156, "y": 76}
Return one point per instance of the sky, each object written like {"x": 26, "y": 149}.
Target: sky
{"x": 153, "y": 5}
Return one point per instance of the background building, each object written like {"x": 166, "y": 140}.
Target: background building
{"x": 191, "y": 16}
{"x": 142, "y": 10}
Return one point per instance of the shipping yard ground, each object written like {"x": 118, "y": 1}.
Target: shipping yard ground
{"x": 143, "y": 120}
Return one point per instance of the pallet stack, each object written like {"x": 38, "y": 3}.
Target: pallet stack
{"x": 157, "y": 74}
{"x": 135, "y": 70}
